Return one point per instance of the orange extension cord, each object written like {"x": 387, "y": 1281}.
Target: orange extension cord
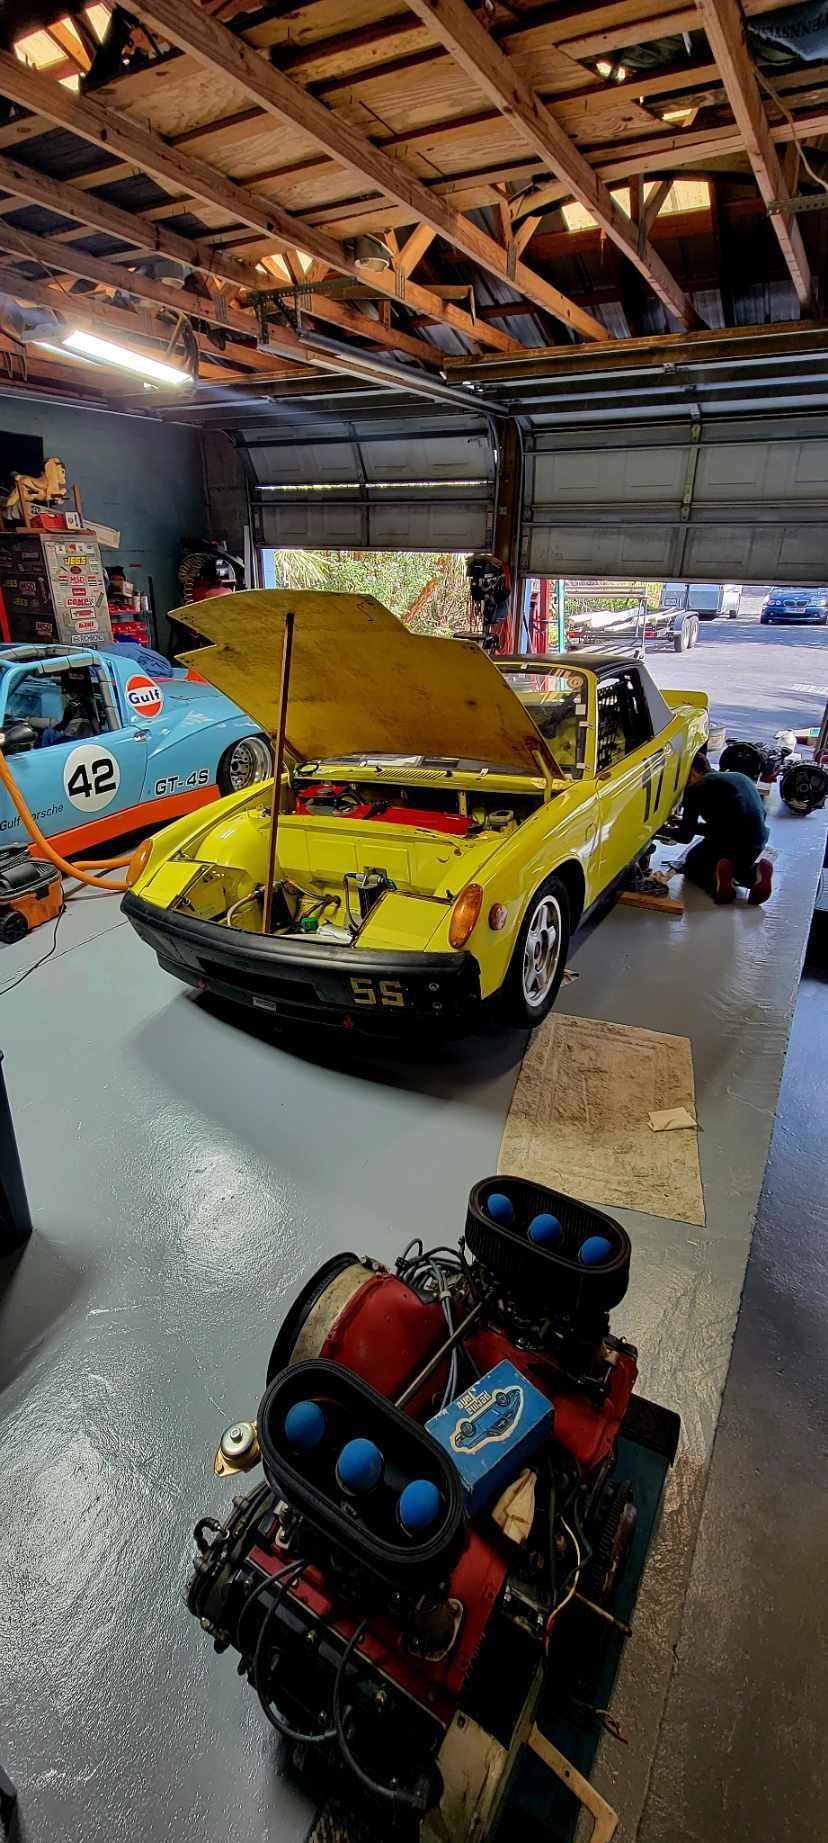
{"x": 79, "y": 870}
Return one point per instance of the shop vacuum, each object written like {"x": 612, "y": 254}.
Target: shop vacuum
{"x": 422, "y": 1588}
{"x": 31, "y": 892}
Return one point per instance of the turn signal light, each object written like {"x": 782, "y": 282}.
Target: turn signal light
{"x": 498, "y": 916}
{"x": 138, "y": 862}
{"x": 464, "y": 914}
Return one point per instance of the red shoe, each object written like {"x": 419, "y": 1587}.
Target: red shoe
{"x": 723, "y": 890}
{"x": 762, "y": 882}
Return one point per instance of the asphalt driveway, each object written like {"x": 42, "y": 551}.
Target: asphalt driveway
{"x": 758, "y": 679}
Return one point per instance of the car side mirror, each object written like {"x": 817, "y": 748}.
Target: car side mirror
{"x": 605, "y": 774}
{"x": 16, "y": 736}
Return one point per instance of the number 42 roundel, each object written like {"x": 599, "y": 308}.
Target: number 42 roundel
{"x": 91, "y": 777}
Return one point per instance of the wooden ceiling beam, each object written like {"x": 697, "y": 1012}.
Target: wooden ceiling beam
{"x": 625, "y": 159}
{"x": 466, "y": 39}
{"x": 723, "y": 23}
{"x": 187, "y": 26}
{"x": 95, "y": 214}
{"x": 651, "y": 206}
{"x": 322, "y": 307}
{"x": 148, "y": 152}
{"x": 70, "y": 260}
{"x": 280, "y": 339}
{"x": 118, "y": 323}
{"x": 415, "y": 248}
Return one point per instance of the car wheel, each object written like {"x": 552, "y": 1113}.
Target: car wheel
{"x": 244, "y": 763}
{"x": 537, "y": 965}
{"x": 682, "y": 640}
{"x": 694, "y": 635}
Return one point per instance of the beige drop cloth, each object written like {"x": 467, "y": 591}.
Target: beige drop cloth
{"x": 579, "y": 1119}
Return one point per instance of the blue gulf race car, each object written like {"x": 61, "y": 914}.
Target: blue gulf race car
{"x": 105, "y": 741}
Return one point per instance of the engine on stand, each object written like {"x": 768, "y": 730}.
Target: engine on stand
{"x": 441, "y": 1514}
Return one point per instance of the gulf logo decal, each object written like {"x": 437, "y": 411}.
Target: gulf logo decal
{"x": 144, "y": 696}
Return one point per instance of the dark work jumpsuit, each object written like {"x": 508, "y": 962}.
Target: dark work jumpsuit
{"x": 728, "y": 812}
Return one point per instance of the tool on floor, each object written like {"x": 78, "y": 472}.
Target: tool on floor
{"x": 432, "y": 1559}
{"x": 639, "y": 899}
{"x": 31, "y": 893}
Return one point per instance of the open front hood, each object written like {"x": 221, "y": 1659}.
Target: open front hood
{"x": 360, "y": 683}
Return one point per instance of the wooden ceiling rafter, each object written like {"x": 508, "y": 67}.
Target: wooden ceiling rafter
{"x": 32, "y": 187}
{"x": 468, "y": 42}
{"x": 366, "y": 158}
{"x": 724, "y": 28}
{"x": 100, "y": 316}
{"x": 148, "y": 152}
{"x": 613, "y": 163}
{"x": 207, "y": 40}
{"x": 217, "y": 311}
{"x": 414, "y": 248}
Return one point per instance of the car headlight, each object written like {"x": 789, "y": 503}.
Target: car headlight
{"x": 138, "y": 862}
{"x": 464, "y": 914}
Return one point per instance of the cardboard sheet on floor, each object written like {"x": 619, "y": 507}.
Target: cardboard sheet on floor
{"x": 579, "y": 1119}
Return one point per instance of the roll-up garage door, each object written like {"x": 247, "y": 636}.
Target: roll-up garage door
{"x": 375, "y": 486}
{"x": 717, "y": 499}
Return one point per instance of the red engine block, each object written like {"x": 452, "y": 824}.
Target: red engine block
{"x": 385, "y": 1334}
{"x": 454, "y": 823}
{"x": 475, "y": 1585}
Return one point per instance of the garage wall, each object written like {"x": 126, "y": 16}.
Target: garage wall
{"x": 225, "y": 486}
{"x": 694, "y": 498}
{"x": 144, "y": 478}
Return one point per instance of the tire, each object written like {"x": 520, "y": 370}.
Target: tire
{"x": 245, "y": 762}
{"x": 548, "y": 910}
{"x": 13, "y": 927}
{"x": 694, "y": 639}
{"x": 742, "y": 758}
{"x": 804, "y": 787}
{"x": 683, "y": 641}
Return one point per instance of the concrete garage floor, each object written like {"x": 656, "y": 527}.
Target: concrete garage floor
{"x": 185, "y": 1175}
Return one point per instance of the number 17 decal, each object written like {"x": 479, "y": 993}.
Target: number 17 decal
{"x": 651, "y": 804}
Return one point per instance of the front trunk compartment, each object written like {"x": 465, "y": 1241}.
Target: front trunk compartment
{"x": 360, "y": 861}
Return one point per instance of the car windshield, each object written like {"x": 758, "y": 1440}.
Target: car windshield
{"x": 556, "y": 700}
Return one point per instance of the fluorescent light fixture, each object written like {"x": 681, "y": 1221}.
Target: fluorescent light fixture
{"x": 69, "y": 358}
{"x": 109, "y": 354}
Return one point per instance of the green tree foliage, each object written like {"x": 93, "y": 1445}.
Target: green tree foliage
{"x": 426, "y": 590}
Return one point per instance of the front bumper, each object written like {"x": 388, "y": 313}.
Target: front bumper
{"x": 310, "y": 981}
{"x": 797, "y": 616}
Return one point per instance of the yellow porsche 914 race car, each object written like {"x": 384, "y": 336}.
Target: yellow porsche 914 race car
{"x": 445, "y": 821}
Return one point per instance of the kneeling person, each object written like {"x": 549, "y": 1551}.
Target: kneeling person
{"x": 727, "y": 809}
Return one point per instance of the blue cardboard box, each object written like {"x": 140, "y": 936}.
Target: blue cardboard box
{"x": 491, "y": 1430}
